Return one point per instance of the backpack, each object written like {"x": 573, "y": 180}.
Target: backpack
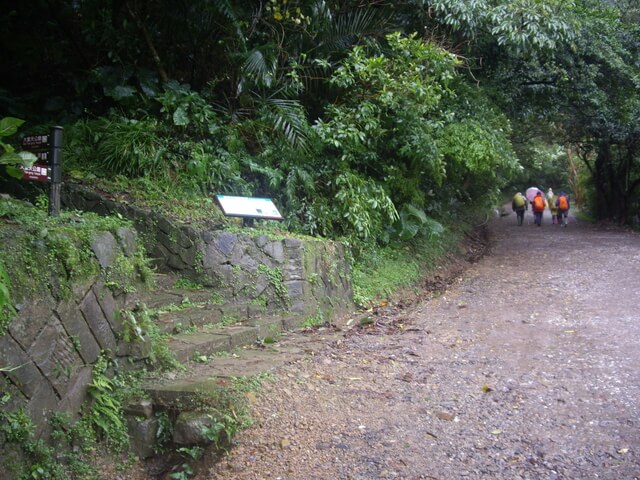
{"x": 519, "y": 201}
{"x": 563, "y": 203}
{"x": 538, "y": 204}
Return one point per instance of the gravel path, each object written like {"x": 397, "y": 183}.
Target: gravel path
{"x": 527, "y": 367}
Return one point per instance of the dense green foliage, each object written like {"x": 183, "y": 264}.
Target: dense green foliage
{"x": 319, "y": 105}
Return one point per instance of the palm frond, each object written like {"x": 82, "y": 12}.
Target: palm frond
{"x": 260, "y": 66}
{"x": 225, "y": 8}
{"x": 288, "y": 117}
{"x": 348, "y": 27}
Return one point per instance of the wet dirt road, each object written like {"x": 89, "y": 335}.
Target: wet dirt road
{"x": 527, "y": 367}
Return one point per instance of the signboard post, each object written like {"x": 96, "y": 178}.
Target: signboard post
{"x": 248, "y": 208}
{"x": 48, "y": 167}
{"x": 56, "y": 170}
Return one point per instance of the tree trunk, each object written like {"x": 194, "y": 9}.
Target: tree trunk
{"x": 603, "y": 201}
{"x": 574, "y": 183}
{"x": 147, "y": 38}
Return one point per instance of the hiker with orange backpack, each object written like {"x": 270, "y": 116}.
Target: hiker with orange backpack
{"x": 537, "y": 205}
{"x": 563, "y": 208}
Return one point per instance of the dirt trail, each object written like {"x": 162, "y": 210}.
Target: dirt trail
{"x": 528, "y": 367}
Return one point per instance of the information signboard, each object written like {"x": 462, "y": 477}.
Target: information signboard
{"x": 35, "y": 142}
{"x": 40, "y": 171}
{"x": 248, "y": 207}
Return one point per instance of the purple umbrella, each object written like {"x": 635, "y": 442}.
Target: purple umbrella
{"x": 531, "y": 193}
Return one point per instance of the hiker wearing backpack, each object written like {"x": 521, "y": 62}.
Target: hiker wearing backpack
{"x": 553, "y": 208}
{"x": 519, "y": 205}
{"x": 537, "y": 205}
{"x": 563, "y": 208}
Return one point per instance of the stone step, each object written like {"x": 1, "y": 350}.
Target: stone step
{"x": 203, "y": 343}
{"x": 212, "y": 338}
{"x": 164, "y": 294}
{"x": 177, "y": 310}
{"x": 200, "y": 380}
{"x": 198, "y": 315}
{"x": 211, "y": 384}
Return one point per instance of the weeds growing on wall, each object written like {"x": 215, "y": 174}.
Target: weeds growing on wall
{"x": 26, "y": 457}
{"x": 139, "y": 325}
{"x": 104, "y": 411}
{"x": 7, "y": 310}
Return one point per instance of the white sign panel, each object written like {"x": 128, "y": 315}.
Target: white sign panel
{"x": 248, "y": 207}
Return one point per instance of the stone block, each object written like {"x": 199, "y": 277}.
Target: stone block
{"x": 226, "y": 243}
{"x": 76, "y": 392}
{"x": 78, "y": 330}
{"x": 143, "y": 435}
{"x": 167, "y": 242}
{"x": 164, "y": 225}
{"x": 275, "y": 250}
{"x": 261, "y": 284}
{"x": 108, "y": 305}
{"x": 293, "y": 271}
{"x": 174, "y": 261}
{"x": 296, "y": 289}
{"x": 241, "y": 335}
{"x": 248, "y": 263}
{"x": 106, "y": 248}
{"x": 188, "y": 256}
{"x": 97, "y": 322}
{"x": 185, "y": 238}
{"x": 16, "y": 398}
{"x": 32, "y": 316}
{"x": 268, "y": 326}
{"x": 40, "y": 406}
{"x": 189, "y": 428}
{"x": 55, "y": 356}
{"x": 212, "y": 258}
{"x": 128, "y": 241}
{"x": 261, "y": 240}
{"x": 21, "y": 369}
{"x": 137, "y": 350}
{"x": 139, "y": 408}
{"x": 293, "y": 243}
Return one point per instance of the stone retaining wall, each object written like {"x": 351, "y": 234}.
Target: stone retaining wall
{"x": 46, "y": 356}
{"x": 50, "y": 347}
{"x": 301, "y": 276}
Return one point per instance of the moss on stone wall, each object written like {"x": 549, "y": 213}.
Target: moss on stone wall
{"x": 45, "y": 255}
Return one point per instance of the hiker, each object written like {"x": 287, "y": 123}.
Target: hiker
{"x": 537, "y": 205}
{"x": 563, "y": 208}
{"x": 519, "y": 205}
{"x": 551, "y": 201}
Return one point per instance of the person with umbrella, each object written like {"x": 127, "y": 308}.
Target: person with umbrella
{"x": 538, "y": 205}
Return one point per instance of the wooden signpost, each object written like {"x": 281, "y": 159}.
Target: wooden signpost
{"x": 48, "y": 166}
